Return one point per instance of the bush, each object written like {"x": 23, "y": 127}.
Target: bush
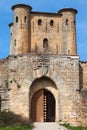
{"x": 11, "y": 119}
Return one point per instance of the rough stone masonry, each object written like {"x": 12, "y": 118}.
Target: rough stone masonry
{"x": 43, "y": 79}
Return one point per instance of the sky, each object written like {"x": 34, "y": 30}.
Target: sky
{"x": 6, "y": 17}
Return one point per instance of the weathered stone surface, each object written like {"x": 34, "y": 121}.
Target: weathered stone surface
{"x": 56, "y": 69}
{"x": 30, "y": 29}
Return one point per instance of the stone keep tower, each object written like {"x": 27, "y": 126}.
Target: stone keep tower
{"x": 43, "y": 33}
{"x": 42, "y": 79}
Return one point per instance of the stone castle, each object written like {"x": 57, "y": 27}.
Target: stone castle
{"x": 43, "y": 79}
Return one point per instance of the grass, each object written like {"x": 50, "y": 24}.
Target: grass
{"x": 12, "y": 121}
{"x": 17, "y": 127}
{"x": 74, "y": 127}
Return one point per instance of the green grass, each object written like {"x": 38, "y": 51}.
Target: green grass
{"x": 74, "y": 127}
{"x": 17, "y": 128}
{"x": 12, "y": 121}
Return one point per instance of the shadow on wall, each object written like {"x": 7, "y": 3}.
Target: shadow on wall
{"x": 81, "y": 77}
{"x": 11, "y": 119}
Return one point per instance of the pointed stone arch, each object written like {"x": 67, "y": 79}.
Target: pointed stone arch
{"x": 40, "y": 88}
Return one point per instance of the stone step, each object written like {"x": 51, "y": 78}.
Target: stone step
{"x": 48, "y": 126}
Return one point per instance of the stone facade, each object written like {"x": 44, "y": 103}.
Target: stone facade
{"x": 31, "y": 29}
{"x": 43, "y": 56}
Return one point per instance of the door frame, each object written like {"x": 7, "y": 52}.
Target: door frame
{"x": 51, "y": 87}
{"x": 37, "y": 110}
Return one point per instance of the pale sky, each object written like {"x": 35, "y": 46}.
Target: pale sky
{"x": 6, "y": 15}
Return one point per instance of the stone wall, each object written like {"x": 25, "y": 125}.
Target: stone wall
{"x": 30, "y": 29}
{"x": 20, "y": 78}
{"x": 81, "y": 102}
{"x": 80, "y": 106}
{"x": 83, "y": 75}
{"x": 52, "y": 32}
{"x": 63, "y": 70}
{"x": 4, "y": 84}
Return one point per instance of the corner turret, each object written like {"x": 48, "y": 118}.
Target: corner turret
{"x": 21, "y": 30}
{"x": 68, "y": 31}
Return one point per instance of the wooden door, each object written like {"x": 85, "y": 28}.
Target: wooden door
{"x": 43, "y": 107}
{"x": 49, "y": 107}
{"x": 37, "y": 106}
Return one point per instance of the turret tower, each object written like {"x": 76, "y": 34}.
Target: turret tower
{"x": 21, "y": 30}
{"x": 68, "y": 31}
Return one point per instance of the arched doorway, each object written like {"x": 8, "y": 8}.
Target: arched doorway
{"x": 43, "y": 106}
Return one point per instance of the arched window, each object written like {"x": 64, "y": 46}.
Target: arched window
{"x": 16, "y": 19}
{"x": 66, "y": 22}
{"x": 25, "y": 19}
{"x": 39, "y": 22}
{"x": 45, "y": 43}
{"x": 51, "y": 23}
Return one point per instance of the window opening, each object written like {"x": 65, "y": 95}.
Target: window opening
{"x": 66, "y": 21}
{"x": 16, "y": 19}
{"x": 45, "y": 43}
{"x": 15, "y": 42}
{"x": 39, "y": 22}
{"x": 25, "y": 19}
{"x": 51, "y": 23}
{"x": 74, "y": 22}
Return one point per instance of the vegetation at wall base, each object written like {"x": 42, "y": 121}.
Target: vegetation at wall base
{"x": 73, "y": 127}
{"x": 24, "y": 127}
{"x": 11, "y": 121}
